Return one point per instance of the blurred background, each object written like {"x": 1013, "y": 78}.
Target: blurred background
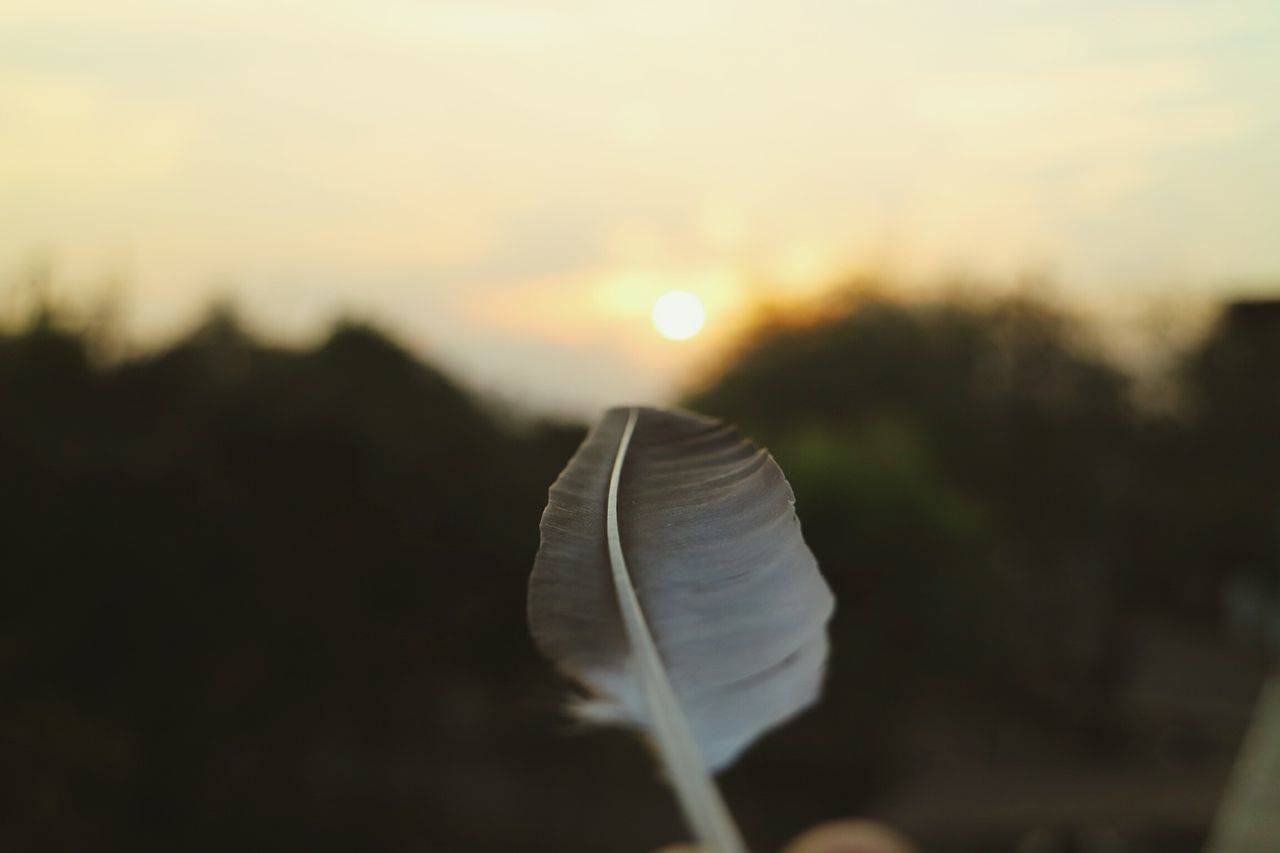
{"x": 303, "y": 307}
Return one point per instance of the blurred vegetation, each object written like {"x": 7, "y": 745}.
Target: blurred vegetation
{"x": 965, "y": 472}
{"x": 265, "y": 598}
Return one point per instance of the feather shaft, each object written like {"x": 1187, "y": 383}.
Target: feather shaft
{"x": 699, "y": 799}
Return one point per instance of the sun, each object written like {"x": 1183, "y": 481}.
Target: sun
{"x": 678, "y": 315}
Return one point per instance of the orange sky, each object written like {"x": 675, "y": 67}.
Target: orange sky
{"x": 509, "y": 185}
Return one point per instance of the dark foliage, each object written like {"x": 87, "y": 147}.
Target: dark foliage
{"x": 259, "y": 598}
{"x": 963, "y": 471}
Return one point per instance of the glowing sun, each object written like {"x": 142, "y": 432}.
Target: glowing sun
{"x": 678, "y": 315}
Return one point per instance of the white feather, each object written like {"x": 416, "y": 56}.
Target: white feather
{"x": 673, "y": 582}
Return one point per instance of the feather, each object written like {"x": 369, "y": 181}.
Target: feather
{"x": 673, "y": 583}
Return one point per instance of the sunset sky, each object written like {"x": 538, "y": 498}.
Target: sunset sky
{"x": 508, "y": 185}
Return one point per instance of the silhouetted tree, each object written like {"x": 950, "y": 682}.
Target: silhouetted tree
{"x": 959, "y": 469}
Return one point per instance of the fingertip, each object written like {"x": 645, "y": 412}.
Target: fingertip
{"x": 850, "y": 836}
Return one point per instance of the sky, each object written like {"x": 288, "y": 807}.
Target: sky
{"x": 509, "y": 185}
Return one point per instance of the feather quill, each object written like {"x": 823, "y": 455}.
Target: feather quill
{"x": 673, "y": 583}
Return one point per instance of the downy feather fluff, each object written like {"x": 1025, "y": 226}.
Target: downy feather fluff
{"x": 672, "y": 581}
